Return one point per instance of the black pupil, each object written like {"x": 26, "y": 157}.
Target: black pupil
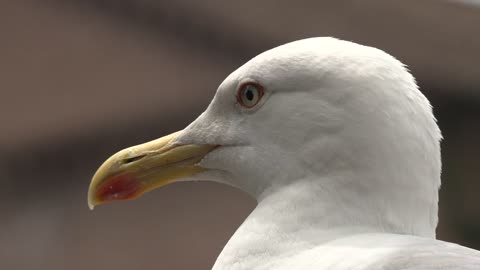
{"x": 249, "y": 94}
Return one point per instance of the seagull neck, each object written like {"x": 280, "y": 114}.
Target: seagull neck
{"x": 292, "y": 219}
{"x": 305, "y": 206}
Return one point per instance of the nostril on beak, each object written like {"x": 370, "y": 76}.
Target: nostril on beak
{"x": 133, "y": 159}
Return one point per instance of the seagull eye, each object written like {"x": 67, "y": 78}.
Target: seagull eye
{"x": 249, "y": 94}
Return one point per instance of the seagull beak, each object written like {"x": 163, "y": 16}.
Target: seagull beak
{"x": 138, "y": 169}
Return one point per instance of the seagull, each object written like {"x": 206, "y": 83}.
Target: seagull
{"x": 336, "y": 144}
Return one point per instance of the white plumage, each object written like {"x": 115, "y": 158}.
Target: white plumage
{"x": 342, "y": 155}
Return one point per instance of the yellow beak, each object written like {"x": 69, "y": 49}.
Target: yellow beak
{"x": 138, "y": 169}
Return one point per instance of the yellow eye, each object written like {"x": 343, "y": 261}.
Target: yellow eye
{"x": 249, "y": 94}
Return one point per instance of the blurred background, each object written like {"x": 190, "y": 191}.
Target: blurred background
{"x": 82, "y": 79}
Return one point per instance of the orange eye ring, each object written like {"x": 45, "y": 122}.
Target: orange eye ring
{"x": 249, "y": 94}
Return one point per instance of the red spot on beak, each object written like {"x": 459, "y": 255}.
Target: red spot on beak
{"x": 119, "y": 187}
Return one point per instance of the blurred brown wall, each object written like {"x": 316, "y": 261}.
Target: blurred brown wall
{"x": 82, "y": 79}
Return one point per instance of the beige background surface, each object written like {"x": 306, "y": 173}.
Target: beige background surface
{"x": 82, "y": 79}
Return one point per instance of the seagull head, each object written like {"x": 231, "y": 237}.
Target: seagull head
{"x": 344, "y": 119}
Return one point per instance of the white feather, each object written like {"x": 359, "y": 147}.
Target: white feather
{"x": 342, "y": 155}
